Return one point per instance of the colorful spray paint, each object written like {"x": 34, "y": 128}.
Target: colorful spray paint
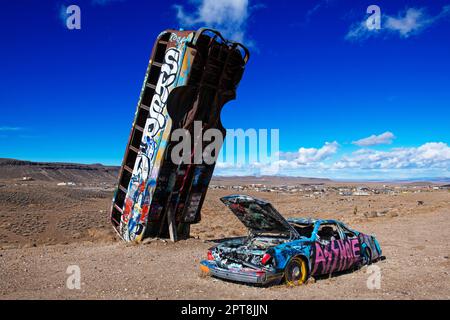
{"x": 191, "y": 75}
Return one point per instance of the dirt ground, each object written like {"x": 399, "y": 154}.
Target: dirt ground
{"x": 45, "y": 228}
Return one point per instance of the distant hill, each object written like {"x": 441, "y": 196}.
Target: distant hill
{"x": 55, "y": 171}
{"x": 85, "y": 173}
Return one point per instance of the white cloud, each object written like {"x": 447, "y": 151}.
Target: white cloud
{"x": 412, "y": 22}
{"x": 317, "y": 7}
{"x": 429, "y": 155}
{"x": 309, "y": 156}
{"x": 62, "y": 14}
{"x": 227, "y": 165}
{"x": 228, "y": 16}
{"x": 359, "y": 31}
{"x": 429, "y": 160}
{"x": 310, "y": 159}
{"x": 408, "y": 22}
{"x": 373, "y": 140}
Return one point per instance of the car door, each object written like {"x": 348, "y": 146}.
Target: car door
{"x": 328, "y": 248}
{"x": 352, "y": 247}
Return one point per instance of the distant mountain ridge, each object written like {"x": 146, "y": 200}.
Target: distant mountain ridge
{"x": 57, "y": 171}
{"x": 85, "y": 173}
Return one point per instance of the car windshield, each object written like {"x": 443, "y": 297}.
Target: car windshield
{"x": 304, "y": 229}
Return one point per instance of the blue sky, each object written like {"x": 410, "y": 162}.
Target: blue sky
{"x": 316, "y": 73}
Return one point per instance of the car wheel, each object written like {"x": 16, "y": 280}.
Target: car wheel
{"x": 295, "y": 272}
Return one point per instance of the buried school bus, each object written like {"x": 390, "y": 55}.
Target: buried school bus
{"x": 191, "y": 75}
{"x": 286, "y": 250}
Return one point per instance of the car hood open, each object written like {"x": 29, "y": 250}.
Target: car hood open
{"x": 258, "y": 216}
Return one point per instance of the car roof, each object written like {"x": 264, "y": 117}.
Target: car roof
{"x": 312, "y": 220}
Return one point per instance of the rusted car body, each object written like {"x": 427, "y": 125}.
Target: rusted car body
{"x": 277, "y": 249}
{"x": 190, "y": 76}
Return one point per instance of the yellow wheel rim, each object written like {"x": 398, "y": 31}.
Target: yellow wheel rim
{"x": 299, "y": 269}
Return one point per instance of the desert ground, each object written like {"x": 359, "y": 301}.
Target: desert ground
{"x": 46, "y": 227}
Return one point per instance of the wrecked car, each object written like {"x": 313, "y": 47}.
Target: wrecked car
{"x": 290, "y": 250}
